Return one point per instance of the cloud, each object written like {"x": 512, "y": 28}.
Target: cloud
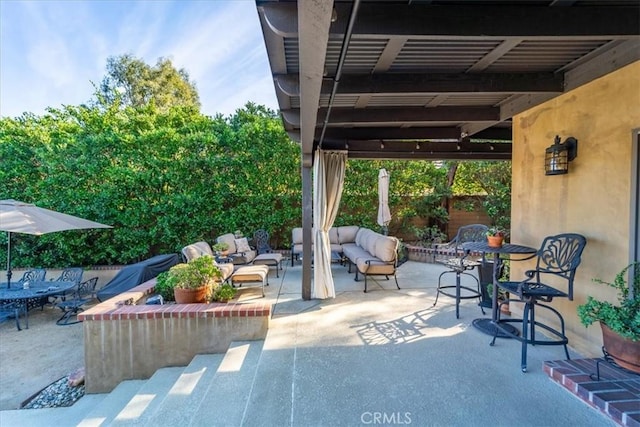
{"x": 51, "y": 51}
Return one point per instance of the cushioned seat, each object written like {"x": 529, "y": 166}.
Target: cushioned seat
{"x": 272, "y": 259}
{"x": 250, "y": 274}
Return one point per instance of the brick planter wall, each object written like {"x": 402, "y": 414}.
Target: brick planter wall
{"x": 123, "y": 341}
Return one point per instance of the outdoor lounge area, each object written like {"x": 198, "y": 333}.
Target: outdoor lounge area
{"x": 387, "y": 353}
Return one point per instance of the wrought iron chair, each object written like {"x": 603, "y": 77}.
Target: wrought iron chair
{"x": 71, "y": 274}
{"x": 261, "y": 240}
{"x": 34, "y": 275}
{"x": 84, "y": 294}
{"x": 12, "y": 310}
{"x": 460, "y": 262}
{"x": 559, "y": 257}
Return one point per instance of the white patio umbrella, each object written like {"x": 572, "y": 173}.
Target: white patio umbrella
{"x": 384, "y": 215}
{"x": 26, "y": 218}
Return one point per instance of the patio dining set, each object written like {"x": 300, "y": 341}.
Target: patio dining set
{"x": 67, "y": 291}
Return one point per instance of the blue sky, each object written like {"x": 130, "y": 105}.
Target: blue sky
{"x": 51, "y": 51}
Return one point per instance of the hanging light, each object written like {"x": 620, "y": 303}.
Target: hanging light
{"x": 558, "y": 156}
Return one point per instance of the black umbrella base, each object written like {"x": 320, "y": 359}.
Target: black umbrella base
{"x": 489, "y": 328}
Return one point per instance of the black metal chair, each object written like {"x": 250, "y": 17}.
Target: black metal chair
{"x": 13, "y": 309}
{"x": 460, "y": 262}
{"x": 71, "y": 274}
{"x": 34, "y": 275}
{"x": 261, "y": 240}
{"x": 84, "y": 294}
{"x": 559, "y": 257}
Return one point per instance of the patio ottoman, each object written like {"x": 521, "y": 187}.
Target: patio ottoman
{"x": 270, "y": 259}
{"x": 251, "y": 274}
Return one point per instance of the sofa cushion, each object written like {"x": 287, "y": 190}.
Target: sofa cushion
{"x": 230, "y": 240}
{"x": 296, "y": 236}
{"x": 333, "y": 236}
{"x": 242, "y": 245}
{"x": 374, "y": 267}
{"x": 386, "y": 248}
{"x": 196, "y": 250}
{"x": 347, "y": 234}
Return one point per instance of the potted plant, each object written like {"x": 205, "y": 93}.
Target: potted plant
{"x": 620, "y": 322}
{"x": 192, "y": 282}
{"x": 221, "y": 248}
{"x": 224, "y": 293}
{"x": 495, "y": 236}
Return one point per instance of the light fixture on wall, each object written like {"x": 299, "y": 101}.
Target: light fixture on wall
{"x": 417, "y": 146}
{"x": 381, "y": 145}
{"x": 558, "y": 156}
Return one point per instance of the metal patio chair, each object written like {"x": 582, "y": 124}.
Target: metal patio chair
{"x": 84, "y": 294}
{"x": 558, "y": 258}
{"x": 460, "y": 262}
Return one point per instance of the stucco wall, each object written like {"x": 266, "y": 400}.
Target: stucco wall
{"x": 593, "y": 199}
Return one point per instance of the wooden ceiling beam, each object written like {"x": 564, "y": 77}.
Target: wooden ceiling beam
{"x": 463, "y": 21}
{"x": 435, "y": 83}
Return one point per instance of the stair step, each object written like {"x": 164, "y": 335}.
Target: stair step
{"x": 226, "y": 399}
{"x": 46, "y": 417}
{"x": 112, "y": 404}
{"x": 148, "y": 398}
{"x": 270, "y": 401}
{"x": 188, "y": 391}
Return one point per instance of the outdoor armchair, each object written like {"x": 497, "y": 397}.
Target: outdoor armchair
{"x": 240, "y": 251}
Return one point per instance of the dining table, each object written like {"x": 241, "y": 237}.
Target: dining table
{"x": 489, "y": 326}
{"x": 24, "y": 292}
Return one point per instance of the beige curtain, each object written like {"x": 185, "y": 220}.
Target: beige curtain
{"x": 328, "y": 180}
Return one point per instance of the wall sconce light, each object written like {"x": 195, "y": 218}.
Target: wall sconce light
{"x": 417, "y": 146}
{"x": 381, "y": 145}
{"x": 558, "y": 156}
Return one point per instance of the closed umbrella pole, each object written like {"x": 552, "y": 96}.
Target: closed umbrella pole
{"x": 384, "y": 214}
{"x": 8, "y": 259}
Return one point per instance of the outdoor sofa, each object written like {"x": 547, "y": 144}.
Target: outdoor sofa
{"x": 338, "y": 236}
{"x": 372, "y": 254}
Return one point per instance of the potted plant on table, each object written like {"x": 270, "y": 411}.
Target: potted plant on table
{"x": 620, "y": 322}
{"x": 193, "y": 282}
{"x": 221, "y": 248}
{"x": 496, "y": 236}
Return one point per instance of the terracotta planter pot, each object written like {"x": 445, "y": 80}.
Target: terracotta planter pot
{"x": 190, "y": 296}
{"x": 624, "y": 352}
{"x": 495, "y": 241}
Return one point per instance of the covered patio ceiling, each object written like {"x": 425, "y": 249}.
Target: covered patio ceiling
{"x": 441, "y": 79}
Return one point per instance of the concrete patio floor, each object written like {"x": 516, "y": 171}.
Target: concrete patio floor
{"x": 388, "y": 357}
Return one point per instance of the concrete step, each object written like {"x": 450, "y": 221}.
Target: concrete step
{"x": 225, "y": 402}
{"x": 147, "y": 400}
{"x": 46, "y": 417}
{"x": 188, "y": 391}
{"x": 104, "y": 413}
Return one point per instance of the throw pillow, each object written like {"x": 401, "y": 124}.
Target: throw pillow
{"x": 242, "y": 245}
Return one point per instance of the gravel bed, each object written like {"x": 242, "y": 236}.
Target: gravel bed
{"x": 59, "y": 393}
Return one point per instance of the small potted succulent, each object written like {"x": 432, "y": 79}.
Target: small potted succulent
{"x": 495, "y": 236}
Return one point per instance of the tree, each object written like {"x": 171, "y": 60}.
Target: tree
{"x": 133, "y": 83}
